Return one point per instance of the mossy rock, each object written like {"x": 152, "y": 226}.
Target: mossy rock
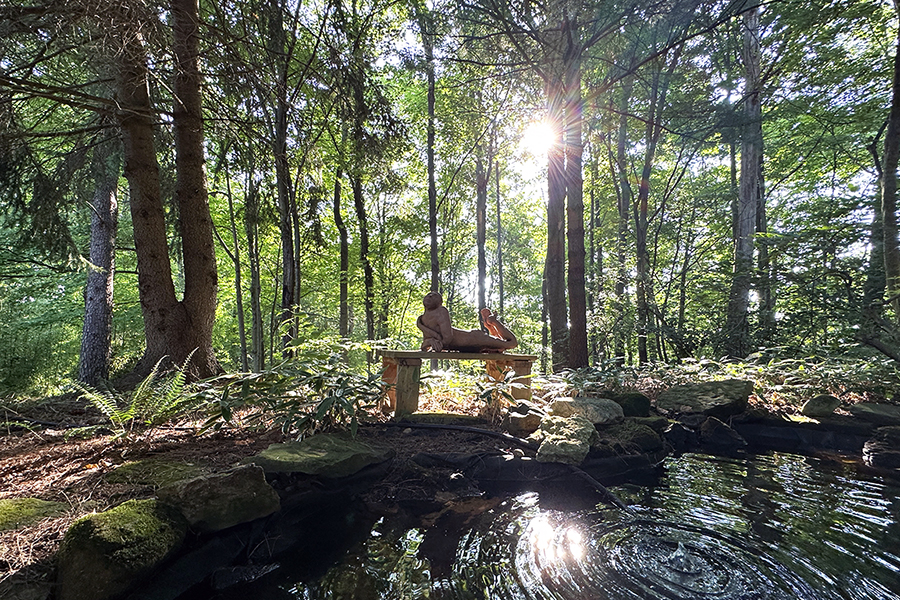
{"x": 632, "y": 434}
{"x": 154, "y": 472}
{"x": 106, "y": 554}
{"x": 324, "y": 454}
{"x": 20, "y": 512}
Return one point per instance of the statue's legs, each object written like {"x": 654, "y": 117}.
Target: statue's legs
{"x": 496, "y": 328}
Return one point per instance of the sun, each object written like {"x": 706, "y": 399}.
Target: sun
{"x": 538, "y": 137}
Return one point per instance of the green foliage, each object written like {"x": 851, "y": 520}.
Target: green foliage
{"x": 777, "y": 380}
{"x": 152, "y": 402}
{"x": 312, "y": 391}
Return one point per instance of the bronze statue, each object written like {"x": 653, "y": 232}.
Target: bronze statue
{"x": 440, "y": 335}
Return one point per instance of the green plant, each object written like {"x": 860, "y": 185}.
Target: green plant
{"x": 310, "y": 392}
{"x": 497, "y": 391}
{"x": 151, "y": 403}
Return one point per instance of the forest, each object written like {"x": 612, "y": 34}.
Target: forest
{"x": 625, "y": 182}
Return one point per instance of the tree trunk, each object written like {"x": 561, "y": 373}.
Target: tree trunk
{"x": 554, "y": 266}
{"x": 173, "y": 329}
{"x": 368, "y": 273}
{"x": 889, "y": 189}
{"x": 93, "y": 364}
{"x": 578, "y": 347}
{"x": 344, "y": 273}
{"x": 251, "y": 225}
{"x": 500, "y": 291}
{"x": 624, "y": 209}
{"x": 426, "y": 26}
{"x": 238, "y": 287}
{"x": 737, "y": 329}
{"x": 481, "y": 192}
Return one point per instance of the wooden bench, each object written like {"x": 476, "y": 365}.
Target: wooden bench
{"x": 403, "y": 368}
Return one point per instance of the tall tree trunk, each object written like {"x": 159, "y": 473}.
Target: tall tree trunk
{"x": 481, "y": 192}
{"x": 737, "y": 328}
{"x": 344, "y": 273}
{"x": 201, "y": 280}
{"x": 238, "y": 287}
{"x": 500, "y": 291}
{"x": 173, "y": 329}
{"x": 368, "y": 273}
{"x": 624, "y": 210}
{"x": 574, "y": 148}
{"x": 93, "y": 365}
{"x": 889, "y": 188}
{"x": 251, "y": 226}
{"x": 554, "y": 265}
{"x": 426, "y": 29}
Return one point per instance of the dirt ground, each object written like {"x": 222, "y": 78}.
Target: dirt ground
{"x": 49, "y": 464}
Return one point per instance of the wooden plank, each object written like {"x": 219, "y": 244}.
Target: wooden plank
{"x": 456, "y": 355}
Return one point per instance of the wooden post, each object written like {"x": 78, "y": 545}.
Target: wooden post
{"x": 407, "y": 390}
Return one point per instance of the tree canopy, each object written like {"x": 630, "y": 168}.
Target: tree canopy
{"x": 628, "y": 181}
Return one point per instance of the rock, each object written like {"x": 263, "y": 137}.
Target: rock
{"x": 883, "y": 450}
{"x": 681, "y": 438}
{"x": 717, "y": 435}
{"x": 521, "y": 425}
{"x": 215, "y": 502}
{"x": 720, "y": 399}
{"x": 565, "y": 439}
{"x": 634, "y": 404}
{"x": 153, "y": 472}
{"x": 880, "y": 414}
{"x": 19, "y": 512}
{"x": 105, "y": 555}
{"x": 822, "y": 405}
{"x": 325, "y": 454}
{"x": 599, "y": 411}
{"x": 633, "y": 436}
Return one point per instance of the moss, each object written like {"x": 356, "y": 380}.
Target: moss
{"x": 156, "y": 473}
{"x": 132, "y": 534}
{"x": 19, "y": 512}
{"x": 103, "y": 555}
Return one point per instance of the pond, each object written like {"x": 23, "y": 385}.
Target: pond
{"x": 773, "y": 526}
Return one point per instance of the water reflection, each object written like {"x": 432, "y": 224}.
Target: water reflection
{"x": 770, "y": 527}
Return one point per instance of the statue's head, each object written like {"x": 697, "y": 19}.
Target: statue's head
{"x": 432, "y": 300}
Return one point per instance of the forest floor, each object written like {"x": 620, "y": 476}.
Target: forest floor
{"x": 50, "y": 464}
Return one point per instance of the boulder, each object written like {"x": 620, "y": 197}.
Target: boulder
{"x": 19, "y": 512}
{"x": 154, "y": 472}
{"x": 716, "y": 435}
{"x": 634, "y": 404}
{"x": 105, "y": 555}
{"x": 720, "y": 399}
{"x": 215, "y": 502}
{"x": 599, "y": 411}
{"x": 822, "y": 405}
{"x": 633, "y": 436}
{"x": 681, "y": 437}
{"x": 883, "y": 450}
{"x": 521, "y": 425}
{"x": 880, "y": 414}
{"x": 565, "y": 439}
{"x": 324, "y": 455}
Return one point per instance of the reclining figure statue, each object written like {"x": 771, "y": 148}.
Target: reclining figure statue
{"x": 440, "y": 335}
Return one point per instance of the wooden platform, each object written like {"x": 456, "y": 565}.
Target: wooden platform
{"x": 403, "y": 369}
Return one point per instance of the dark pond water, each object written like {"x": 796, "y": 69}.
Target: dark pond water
{"x": 774, "y": 526}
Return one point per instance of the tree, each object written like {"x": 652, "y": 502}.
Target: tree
{"x": 737, "y": 327}
{"x": 173, "y": 328}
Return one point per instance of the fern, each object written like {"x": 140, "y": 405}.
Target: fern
{"x": 149, "y": 405}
